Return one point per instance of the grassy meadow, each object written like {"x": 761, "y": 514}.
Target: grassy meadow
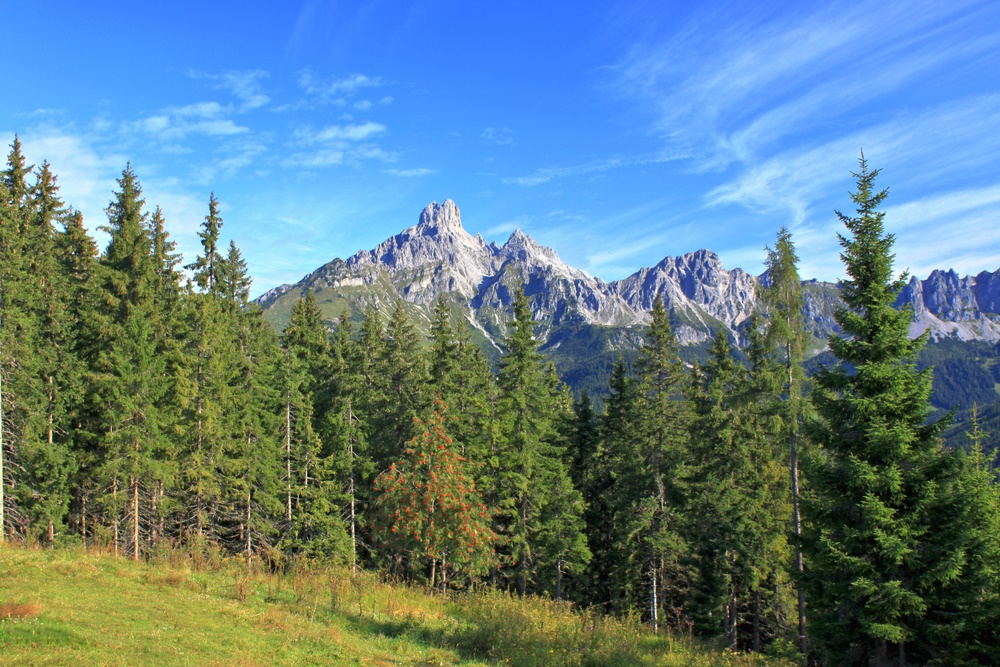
{"x": 71, "y": 607}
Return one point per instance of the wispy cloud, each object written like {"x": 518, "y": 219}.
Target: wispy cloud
{"x": 411, "y": 173}
{"x": 334, "y": 133}
{"x": 245, "y": 85}
{"x": 750, "y": 80}
{"x": 500, "y": 136}
{"x": 175, "y": 123}
{"x": 339, "y": 87}
{"x": 339, "y": 144}
{"x": 546, "y": 174}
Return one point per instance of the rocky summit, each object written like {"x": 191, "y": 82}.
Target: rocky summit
{"x": 438, "y": 256}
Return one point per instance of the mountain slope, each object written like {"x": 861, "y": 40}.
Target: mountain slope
{"x": 438, "y": 256}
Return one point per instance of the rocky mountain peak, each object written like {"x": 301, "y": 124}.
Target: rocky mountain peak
{"x": 441, "y": 216}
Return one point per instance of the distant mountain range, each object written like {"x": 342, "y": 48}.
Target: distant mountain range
{"x": 437, "y": 256}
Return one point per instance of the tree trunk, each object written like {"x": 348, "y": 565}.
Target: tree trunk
{"x": 249, "y": 535}
{"x": 559, "y": 578}
{"x": 3, "y": 524}
{"x": 288, "y": 458}
{"x": 350, "y": 489}
{"x": 433, "y": 571}
{"x": 135, "y": 518}
{"x": 654, "y": 603}
{"x": 756, "y": 621}
{"x": 135, "y": 510}
{"x": 52, "y": 403}
{"x": 198, "y": 504}
{"x": 796, "y": 515}
{"x": 114, "y": 493}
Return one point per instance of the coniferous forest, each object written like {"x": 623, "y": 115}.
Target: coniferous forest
{"x": 147, "y": 405}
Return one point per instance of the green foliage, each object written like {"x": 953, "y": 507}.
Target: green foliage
{"x": 884, "y": 551}
{"x": 428, "y": 505}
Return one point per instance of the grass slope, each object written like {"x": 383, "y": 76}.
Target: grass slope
{"x": 68, "y": 607}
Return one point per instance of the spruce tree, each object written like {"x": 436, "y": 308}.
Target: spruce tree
{"x": 886, "y": 560}
{"x": 133, "y": 380}
{"x": 782, "y": 301}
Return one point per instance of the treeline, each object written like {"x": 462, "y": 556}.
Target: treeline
{"x": 146, "y": 410}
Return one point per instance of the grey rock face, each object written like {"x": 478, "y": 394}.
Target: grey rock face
{"x": 438, "y": 256}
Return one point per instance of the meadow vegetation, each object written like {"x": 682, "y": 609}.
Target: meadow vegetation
{"x": 87, "y": 607}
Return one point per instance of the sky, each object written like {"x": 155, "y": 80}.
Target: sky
{"x": 616, "y": 133}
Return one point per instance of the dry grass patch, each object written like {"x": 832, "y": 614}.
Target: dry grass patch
{"x": 25, "y": 611}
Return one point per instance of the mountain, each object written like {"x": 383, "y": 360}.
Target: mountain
{"x": 582, "y": 319}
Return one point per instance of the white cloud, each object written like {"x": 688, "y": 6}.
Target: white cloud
{"x": 348, "y": 132}
{"x": 546, "y": 174}
{"x": 347, "y": 85}
{"x": 411, "y": 173}
{"x": 498, "y": 135}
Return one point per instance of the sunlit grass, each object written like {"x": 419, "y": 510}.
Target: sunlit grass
{"x": 70, "y": 607}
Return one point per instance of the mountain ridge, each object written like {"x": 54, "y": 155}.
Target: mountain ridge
{"x": 438, "y": 256}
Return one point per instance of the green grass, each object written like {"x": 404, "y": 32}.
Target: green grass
{"x": 69, "y": 607}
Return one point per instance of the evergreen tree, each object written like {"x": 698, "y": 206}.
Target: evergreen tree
{"x": 887, "y": 562}
{"x": 611, "y": 492}
{"x": 310, "y": 465}
{"x": 133, "y": 379}
{"x": 782, "y": 301}
{"x": 205, "y": 267}
{"x": 530, "y": 449}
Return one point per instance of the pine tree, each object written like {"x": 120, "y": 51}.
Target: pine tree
{"x": 205, "y": 267}
{"x": 886, "y": 562}
{"x": 661, "y": 426}
{"x": 310, "y": 464}
{"x": 133, "y": 370}
{"x": 782, "y": 300}
{"x": 530, "y": 448}
{"x": 612, "y": 492}
{"x": 47, "y": 455}
{"x": 19, "y": 393}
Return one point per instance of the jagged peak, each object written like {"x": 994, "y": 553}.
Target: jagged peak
{"x": 441, "y": 216}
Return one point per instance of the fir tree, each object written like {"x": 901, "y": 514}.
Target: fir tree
{"x": 885, "y": 560}
{"x": 782, "y": 301}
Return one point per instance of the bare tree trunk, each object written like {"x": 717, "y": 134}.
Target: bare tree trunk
{"x": 52, "y": 403}
{"x": 654, "y": 604}
{"x": 114, "y": 493}
{"x": 3, "y": 524}
{"x": 559, "y": 578}
{"x": 83, "y": 517}
{"x": 796, "y": 514}
{"x": 756, "y": 621}
{"x": 350, "y": 488}
{"x": 135, "y": 518}
{"x": 135, "y": 510}
{"x": 288, "y": 458}
{"x": 198, "y": 499}
{"x": 249, "y": 535}
{"x": 433, "y": 571}
{"x": 444, "y": 574}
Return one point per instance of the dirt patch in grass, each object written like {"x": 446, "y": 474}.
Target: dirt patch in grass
{"x": 27, "y": 610}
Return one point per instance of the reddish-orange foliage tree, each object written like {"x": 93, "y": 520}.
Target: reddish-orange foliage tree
{"x": 428, "y": 506}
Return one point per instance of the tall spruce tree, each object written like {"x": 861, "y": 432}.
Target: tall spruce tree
{"x": 782, "y": 301}
{"x": 886, "y": 560}
{"x": 529, "y": 454}
{"x": 315, "y": 524}
{"x": 133, "y": 372}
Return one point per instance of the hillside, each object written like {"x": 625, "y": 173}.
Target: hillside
{"x": 67, "y": 607}
{"x": 583, "y": 323}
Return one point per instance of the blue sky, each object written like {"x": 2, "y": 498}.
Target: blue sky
{"x": 617, "y": 133}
